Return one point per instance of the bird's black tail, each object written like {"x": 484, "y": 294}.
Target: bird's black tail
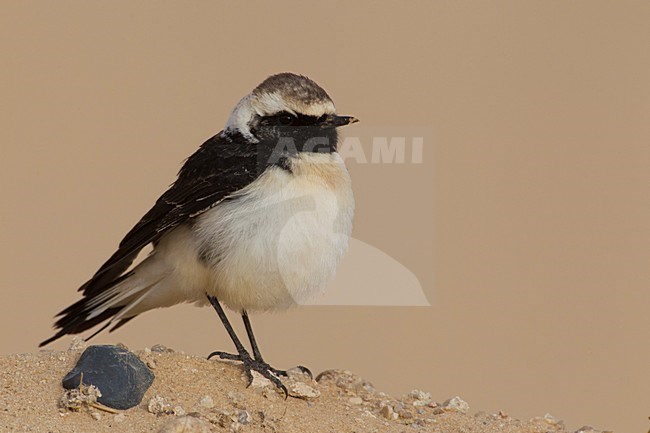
{"x": 93, "y": 309}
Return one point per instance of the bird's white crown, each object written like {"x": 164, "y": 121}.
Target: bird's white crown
{"x": 285, "y": 92}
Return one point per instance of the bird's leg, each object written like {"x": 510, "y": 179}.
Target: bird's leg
{"x": 251, "y": 337}
{"x": 256, "y": 351}
{"x": 226, "y": 323}
{"x": 250, "y": 364}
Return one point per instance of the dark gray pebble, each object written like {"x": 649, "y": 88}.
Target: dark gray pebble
{"x": 120, "y": 375}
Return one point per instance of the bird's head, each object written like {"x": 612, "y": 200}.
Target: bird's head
{"x": 291, "y": 107}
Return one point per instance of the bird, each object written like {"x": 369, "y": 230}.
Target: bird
{"x": 257, "y": 220}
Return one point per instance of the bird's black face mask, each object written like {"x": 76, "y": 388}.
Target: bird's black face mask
{"x": 284, "y": 135}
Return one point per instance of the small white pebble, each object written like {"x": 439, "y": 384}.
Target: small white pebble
{"x": 455, "y": 404}
{"x": 420, "y": 398}
{"x": 179, "y": 411}
{"x": 355, "y": 400}
{"x": 158, "y": 405}
{"x": 301, "y": 390}
{"x": 159, "y": 348}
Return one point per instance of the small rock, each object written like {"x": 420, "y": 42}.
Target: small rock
{"x": 455, "y": 404}
{"x": 186, "y": 424}
{"x": 388, "y": 412}
{"x": 122, "y": 377}
{"x": 75, "y": 399}
{"x": 178, "y": 410}
{"x": 298, "y": 373}
{"x": 96, "y": 416}
{"x": 120, "y": 417}
{"x": 550, "y": 419}
{"x": 302, "y": 390}
{"x": 207, "y": 402}
{"x": 159, "y": 348}
{"x": 348, "y": 381}
{"x": 355, "y": 400}
{"x": 420, "y": 398}
{"x": 151, "y": 363}
{"x": 159, "y": 406}
{"x": 244, "y": 417}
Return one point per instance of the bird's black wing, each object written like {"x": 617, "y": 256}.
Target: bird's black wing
{"x": 221, "y": 166}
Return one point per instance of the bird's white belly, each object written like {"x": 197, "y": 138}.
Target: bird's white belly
{"x": 278, "y": 242}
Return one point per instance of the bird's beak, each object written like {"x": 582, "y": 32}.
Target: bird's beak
{"x": 334, "y": 121}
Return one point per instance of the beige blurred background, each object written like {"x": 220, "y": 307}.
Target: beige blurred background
{"x": 527, "y": 224}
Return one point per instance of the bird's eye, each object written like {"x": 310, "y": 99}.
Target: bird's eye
{"x": 285, "y": 119}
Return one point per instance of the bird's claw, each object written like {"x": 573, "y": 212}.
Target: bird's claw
{"x": 251, "y": 364}
{"x": 224, "y": 355}
{"x": 266, "y": 371}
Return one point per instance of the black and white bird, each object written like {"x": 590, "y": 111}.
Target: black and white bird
{"x": 257, "y": 220}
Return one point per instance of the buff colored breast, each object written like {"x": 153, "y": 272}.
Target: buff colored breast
{"x": 280, "y": 241}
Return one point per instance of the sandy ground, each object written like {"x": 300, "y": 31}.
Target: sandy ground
{"x": 192, "y": 394}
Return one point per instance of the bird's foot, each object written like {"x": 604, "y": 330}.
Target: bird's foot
{"x": 258, "y": 365}
{"x": 234, "y": 357}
